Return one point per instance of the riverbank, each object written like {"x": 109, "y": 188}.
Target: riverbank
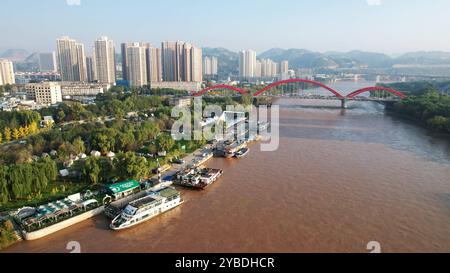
{"x": 415, "y": 122}
{"x": 392, "y": 111}
{"x": 196, "y": 157}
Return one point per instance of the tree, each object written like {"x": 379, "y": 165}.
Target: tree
{"x": 152, "y": 148}
{"x": 4, "y": 191}
{"x": 1, "y": 138}
{"x": 50, "y": 169}
{"x": 7, "y": 134}
{"x": 39, "y": 179}
{"x": 78, "y": 143}
{"x": 92, "y": 170}
{"x": 26, "y": 130}
{"x": 125, "y": 141}
{"x": 147, "y": 131}
{"x": 22, "y": 132}
{"x": 77, "y": 110}
{"x": 439, "y": 123}
{"x": 128, "y": 165}
{"x": 16, "y": 134}
{"x": 20, "y": 179}
{"x": 33, "y": 128}
{"x": 38, "y": 143}
{"x": 104, "y": 142}
{"x": 106, "y": 169}
{"x": 66, "y": 150}
{"x": 60, "y": 116}
{"x": 165, "y": 142}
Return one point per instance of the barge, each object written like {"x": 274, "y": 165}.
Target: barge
{"x": 228, "y": 149}
{"x": 198, "y": 178}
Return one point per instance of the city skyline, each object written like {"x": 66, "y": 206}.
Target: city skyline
{"x": 293, "y": 24}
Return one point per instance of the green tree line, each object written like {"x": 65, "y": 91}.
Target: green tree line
{"x": 17, "y": 119}
{"x": 431, "y": 109}
{"x": 24, "y": 181}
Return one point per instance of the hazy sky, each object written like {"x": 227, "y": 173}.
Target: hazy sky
{"x": 390, "y": 26}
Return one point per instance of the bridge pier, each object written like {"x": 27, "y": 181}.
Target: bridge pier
{"x": 344, "y": 103}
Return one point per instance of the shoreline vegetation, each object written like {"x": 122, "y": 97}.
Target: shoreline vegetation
{"x": 425, "y": 105}
{"x": 7, "y": 233}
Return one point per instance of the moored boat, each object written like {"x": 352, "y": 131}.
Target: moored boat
{"x": 198, "y": 178}
{"x": 242, "y": 152}
{"x": 230, "y": 150}
{"x": 145, "y": 208}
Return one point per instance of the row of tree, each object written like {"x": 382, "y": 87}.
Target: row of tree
{"x": 110, "y": 104}
{"x": 17, "y": 119}
{"x": 124, "y": 166}
{"x": 430, "y": 108}
{"x": 417, "y": 88}
{"x": 18, "y": 133}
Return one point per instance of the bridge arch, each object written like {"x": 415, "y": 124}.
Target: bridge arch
{"x": 220, "y": 86}
{"x": 338, "y": 95}
{"x": 376, "y": 88}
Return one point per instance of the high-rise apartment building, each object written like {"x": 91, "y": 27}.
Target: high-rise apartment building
{"x": 184, "y": 61}
{"x": 104, "y": 58}
{"x": 210, "y": 66}
{"x": 123, "y": 51}
{"x": 269, "y": 68}
{"x": 207, "y": 66}
{"x": 181, "y": 62}
{"x": 284, "y": 67}
{"x": 214, "y": 65}
{"x": 258, "y": 69}
{"x": 136, "y": 65}
{"x": 169, "y": 61}
{"x": 47, "y": 62}
{"x": 247, "y": 64}
{"x": 196, "y": 65}
{"x": 71, "y": 60}
{"x": 153, "y": 64}
{"x": 6, "y": 72}
{"x": 90, "y": 66}
{"x": 81, "y": 60}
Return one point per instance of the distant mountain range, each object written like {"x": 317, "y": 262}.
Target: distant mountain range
{"x": 301, "y": 58}
{"x": 15, "y": 55}
{"x": 298, "y": 58}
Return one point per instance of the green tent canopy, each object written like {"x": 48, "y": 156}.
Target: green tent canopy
{"x": 124, "y": 186}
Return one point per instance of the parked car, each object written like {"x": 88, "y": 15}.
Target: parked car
{"x": 178, "y": 161}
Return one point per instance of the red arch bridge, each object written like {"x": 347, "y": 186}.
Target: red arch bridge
{"x": 393, "y": 95}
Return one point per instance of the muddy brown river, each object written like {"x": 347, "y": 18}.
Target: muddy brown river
{"x": 339, "y": 180}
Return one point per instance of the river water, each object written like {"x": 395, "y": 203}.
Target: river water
{"x": 340, "y": 179}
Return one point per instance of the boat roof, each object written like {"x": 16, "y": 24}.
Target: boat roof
{"x": 167, "y": 192}
{"x": 144, "y": 201}
{"x": 123, "y": 186}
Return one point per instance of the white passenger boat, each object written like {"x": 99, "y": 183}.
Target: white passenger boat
{"x": 147, "y": 207}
